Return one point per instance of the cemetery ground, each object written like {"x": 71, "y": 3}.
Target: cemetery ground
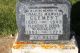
{"x": 5, "y": 44}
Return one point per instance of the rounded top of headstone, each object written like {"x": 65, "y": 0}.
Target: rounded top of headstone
{"x": 44, "y": 1}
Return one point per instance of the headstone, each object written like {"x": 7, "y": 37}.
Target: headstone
{"x": 43, "y": 20}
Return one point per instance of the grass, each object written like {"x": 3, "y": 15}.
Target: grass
{"x": 7, "y": 17}
{"x": 73, "y": 1}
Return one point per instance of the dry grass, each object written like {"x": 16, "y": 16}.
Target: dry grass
{"x": 5, "y": 44}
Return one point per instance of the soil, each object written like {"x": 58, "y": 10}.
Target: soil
{"x": 6, "y": 44}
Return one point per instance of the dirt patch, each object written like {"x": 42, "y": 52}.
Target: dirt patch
{"x": 5, "y": 44}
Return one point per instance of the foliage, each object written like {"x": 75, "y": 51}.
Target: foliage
{"x": 7, "y": 17}
{"x": 73, "y": 1}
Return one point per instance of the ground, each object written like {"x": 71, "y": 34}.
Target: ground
{"x": 5, "y": 44}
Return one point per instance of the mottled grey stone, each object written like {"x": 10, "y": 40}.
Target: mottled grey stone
{"x": 23, "y": 5}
